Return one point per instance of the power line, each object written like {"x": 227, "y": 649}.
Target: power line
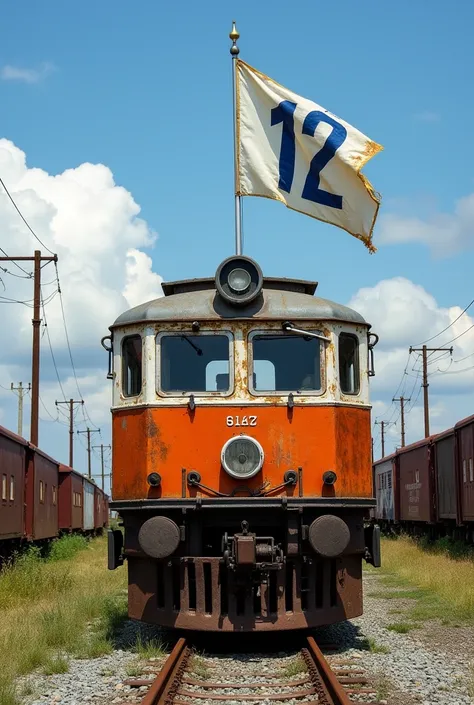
{"x": 447, "y": 327}
{"x": 24, "y": 219}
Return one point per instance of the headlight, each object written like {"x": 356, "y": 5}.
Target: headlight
{"x": 239, "y": 280}
{"x": 242, "y": 457}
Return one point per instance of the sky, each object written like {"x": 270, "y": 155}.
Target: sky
{"x": 116, "y": 144}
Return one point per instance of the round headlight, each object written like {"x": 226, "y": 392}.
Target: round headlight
{"x": 239, "y": 280}
{"x": 242, "y": 457}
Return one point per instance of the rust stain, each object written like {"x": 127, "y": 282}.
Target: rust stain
{"x": 371, "y": 149}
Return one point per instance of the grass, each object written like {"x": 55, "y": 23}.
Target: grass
{"x": 199, "y": 668}
{"x": 369, "y": 644}
{"x": 149, "y": 648}
{"x": 438, "y": 576}
{"x": 64, "y": 604}
{"x": 401, "y": 627}
{"x": 295, "y": 667}
{"x": 134, "y": 669}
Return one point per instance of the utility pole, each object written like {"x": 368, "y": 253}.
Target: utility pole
{"x": 35, "y": 361}
{"x": 71, "y": 403}
{"x": 102, "y": 461}
{"x": 21, "y": 392}
{"x": 402, "y": 401}
{"x": 383, "y": 425}
{"x": 425, "y": 385}
{"x": 89, "y": 431}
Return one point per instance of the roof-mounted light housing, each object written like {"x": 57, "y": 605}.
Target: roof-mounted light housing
{"x": 239, "y": 280}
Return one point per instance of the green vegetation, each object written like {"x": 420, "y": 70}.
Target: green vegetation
{"x": 369, "y": 644}
{"x": 149, "y": 648}
{"x": 56, "y": 606}
{"x": 401, "y": 627}
{"x": 295, "y": 667}
{"x": 199, "y": 668}
{"x": 437, "y": 576}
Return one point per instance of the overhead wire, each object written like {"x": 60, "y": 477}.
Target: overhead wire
{"x": 24, "y": 219}
{"x": 447, "y": 327}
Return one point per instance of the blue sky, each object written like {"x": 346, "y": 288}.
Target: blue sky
{"x": 145, "y": 89}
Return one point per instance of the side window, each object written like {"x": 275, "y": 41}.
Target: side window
{"x": 132, "y": 366}
{"x": 12, "y": 488}
{"x": 4, "y": 488}
{"x": 54, "y": 495}
{"x": 349, "y": 374}
{"x": 41, "y": 491}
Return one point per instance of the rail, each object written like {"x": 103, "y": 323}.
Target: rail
{"x": 319, "y": 685}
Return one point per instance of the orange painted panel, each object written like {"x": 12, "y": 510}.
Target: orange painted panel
{"x": 165, "y": 440}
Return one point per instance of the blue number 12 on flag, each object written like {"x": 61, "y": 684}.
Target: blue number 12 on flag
{"x": 284, "y": 113}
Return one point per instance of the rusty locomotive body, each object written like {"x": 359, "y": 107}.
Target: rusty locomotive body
{"x": 241, "y": 454}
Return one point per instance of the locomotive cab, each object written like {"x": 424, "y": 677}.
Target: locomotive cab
{"x": 242, "y": 454}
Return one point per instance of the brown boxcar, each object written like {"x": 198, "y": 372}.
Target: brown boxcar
{"x": 465, "y": 454}
{"x": 384, "y": 471}
{"x": 42, "y": 480}
{"x": 70, "y": 499}
{"x": 13, "y": 450}
{"x": 416, "y": 487}
{"x": 445, "y": 472}
{"x": 99, "y": 514}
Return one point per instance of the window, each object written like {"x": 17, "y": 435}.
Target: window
{"x": 4, "y": 488}
{"x": 471, "y": 476}
{"x": 349, "y": 376}
{"x": 195, "y": 363}
{"x": 41, "y": 491}
{"x": 286, "y": 363}
{"x": 464, "y": 476}
{"x": 12, "y": 488}
{"x": 132, "y": 366}
{"x": 54, "y": 496}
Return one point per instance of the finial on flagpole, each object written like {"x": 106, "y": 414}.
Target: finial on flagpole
{"x": 234, "y": 35}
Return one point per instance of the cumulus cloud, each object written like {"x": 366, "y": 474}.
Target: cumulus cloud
{"x": 27, "y": 75}
{"x": 404, "y": 314}
{"x": 95, "y": 228}
{"x": 444, "y": 233}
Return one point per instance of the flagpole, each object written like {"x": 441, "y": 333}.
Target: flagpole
{"x": 234, "y": 50}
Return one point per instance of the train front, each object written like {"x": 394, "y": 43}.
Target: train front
{"x": 242, "y": 454}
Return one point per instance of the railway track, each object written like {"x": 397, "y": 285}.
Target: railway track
{"x": 314, "y": 682}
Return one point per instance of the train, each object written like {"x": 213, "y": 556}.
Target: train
{"x": 40, "y": 498}
{"x": 427, "y": 488}
{"x": 242, "y": 468}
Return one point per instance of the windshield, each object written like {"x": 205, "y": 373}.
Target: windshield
{"x": 194, "y": 363}
{"x": 286, "y": 363}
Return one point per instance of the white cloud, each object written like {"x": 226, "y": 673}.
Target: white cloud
{"x": 15, "y": 73}
{"x": 444, "y": 233}
{"x": 427, "y": 116}
{"x": 94, "y": 226}
{"x": 404, "y": 314}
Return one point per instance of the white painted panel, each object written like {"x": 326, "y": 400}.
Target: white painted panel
{"x": 88, "y": 506}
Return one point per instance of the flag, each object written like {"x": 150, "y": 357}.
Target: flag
{"x": 294, "y": 151}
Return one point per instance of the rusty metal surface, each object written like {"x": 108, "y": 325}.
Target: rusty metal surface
{"x": 329, "y": 535}
{"x": 183, "y": 286}
{"x": 208, "y": 306}
{"x": 416, "y": 482}
{"x": 444, "y": 460}
{"x": 171, "y": 669}
{"x": 202, "y": 594}
{"x": 384, "y": 489}
{"x": 334, "y": 692}
{"x": 465, "y": 440}
{"x": 42, "y": 510}
{"x": 12, "y": 474}
{"x": 159, "y": 537}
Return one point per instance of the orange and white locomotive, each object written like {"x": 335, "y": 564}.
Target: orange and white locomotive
{"x": 242, "y": 454}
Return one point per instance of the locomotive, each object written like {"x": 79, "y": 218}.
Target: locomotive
{"x": 242, "y": 454}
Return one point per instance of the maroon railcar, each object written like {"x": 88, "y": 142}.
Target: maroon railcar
{"x": 98, "y": 509}
{"x": 465, "y": 480}
{"x": 13, "y": 452}
{"x": 70, "y": 499}
{"x": 42, "y": 495}
{"x": 444, "y": 459}
{"x": 416, "y": 482}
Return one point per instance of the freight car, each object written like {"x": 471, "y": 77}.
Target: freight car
{"x": 40, "y": 498}
{"x": 428, "y": 486}
{"x": 241, "y": 454}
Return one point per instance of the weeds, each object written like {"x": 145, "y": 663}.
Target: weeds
{"x": 149, "y": 648}
{"x": 133, "y": 669}
{"x": 56, "y": 664}
{"x": 200, "y": 669}
{"x": 369, "y": 644}
{"x": 401, "y": 627}
{"x": 295, "y": 667}
{"x": 66, "y": 547}
{"x": 8, "y": 692}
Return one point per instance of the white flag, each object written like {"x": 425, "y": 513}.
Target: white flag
{"x": 295, "y": 151}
